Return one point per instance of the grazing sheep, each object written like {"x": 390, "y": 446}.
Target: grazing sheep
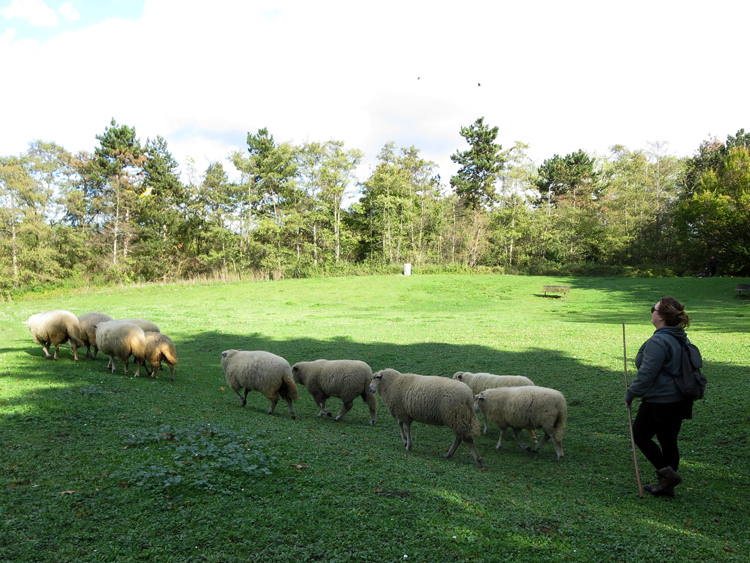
{"x": 121, "y": 339}
{"x": 146, "y": 326}
{"x": 160, "y": 347}
{"x": 260, "y": 371}
{"x": 87, "y": 323}
{"x": 52, "y": 328}
{"x": 432, "y": 400}
{"x": 344, "y": 379}
{"x": 526, "y": 407}
{"x": 478, "y": 382}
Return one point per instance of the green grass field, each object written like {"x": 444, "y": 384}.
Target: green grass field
{"x": 104, "y": 467}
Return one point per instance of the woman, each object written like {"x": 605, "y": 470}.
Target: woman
{"x": 662, "y": 408}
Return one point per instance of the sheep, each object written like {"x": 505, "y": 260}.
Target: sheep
{"x": 478, "y": 382}
{"x": 430, "y": 399}
{"x": 260, "y": 371}
{"x": 160, "y": 347}
{"x": 526, "y": 407}
{"x": 121, "y": 339}
{"x": 344, "y": 379}
{"x": 52, "y": 328}
{"x": 87, "y": 322}
{"x": 146, "y": 326}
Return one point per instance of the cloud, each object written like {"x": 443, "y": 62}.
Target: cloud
{"x": 36, "y": 12}
{"x": 69, "y": 12}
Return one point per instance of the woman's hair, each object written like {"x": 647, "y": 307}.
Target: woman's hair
{"x": 673, "y": 312}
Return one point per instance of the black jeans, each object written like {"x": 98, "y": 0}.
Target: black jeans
{"x": 664, "y": 421}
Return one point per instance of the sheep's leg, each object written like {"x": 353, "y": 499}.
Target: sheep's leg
{"x": 47, "y": 355}
{"x": 291, "y": 408}
{"x": 137, "y": 368}
{"x": 320, "y": 400}
{"x": 406, "y": 433}
{"x": 127, "y": 365}
{"x": 57, "y": 351}
{"x": 96, "y": 351}
{"x": 517, "y": 436}
{"x": 472, "y": 448}
{"x": 274, "y": 401}
{"x": 243, "y": 400}
{"x": 484, "y": 420}
{"x": 111, "y": 364}
{"x": 345, "y": 408}
{"x": 372, "y": 404}
{"x": 500, "y": 441}
{"x": 75, "y": 352}
{"x": 544, "y": 441}
{"x": 533, "y": 436}
{"x": 171, "y": 372}
{"x": 401, "y": 430}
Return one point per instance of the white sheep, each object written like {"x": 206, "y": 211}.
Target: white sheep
{"x": 430, "y": 399}
{"x": 120, "y": 339}
{"x": 344, "y": 379}
{"x": 52, "y": 328}
{"x": 146, "y": 326}
{"x": 478, "y": 382}
{"x": 526, "y": 407}
{"x": 87, "y": 323}
{"x": 260, "y": 371}
{"x": 160, "y": 347}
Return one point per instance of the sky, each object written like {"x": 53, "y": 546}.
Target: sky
{"x": 556, "y": 75}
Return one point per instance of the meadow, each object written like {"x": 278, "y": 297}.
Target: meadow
{"x": 102, "y": 467}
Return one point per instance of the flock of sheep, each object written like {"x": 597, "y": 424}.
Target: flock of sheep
{"x": 505, "y": 400}
{"x": 116, "y": 338}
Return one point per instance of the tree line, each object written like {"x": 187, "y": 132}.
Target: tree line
{"x": 123, "y": 213}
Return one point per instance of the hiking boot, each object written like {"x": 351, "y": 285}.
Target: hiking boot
{"x": 668, "y": 480}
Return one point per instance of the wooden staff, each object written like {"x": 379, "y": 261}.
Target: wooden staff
{"x": 630, "y": 416}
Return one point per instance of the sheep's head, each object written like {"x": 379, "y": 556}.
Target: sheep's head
{"x": 477, "y": 399}
{"x": 459, "y": 375}
{"x": 376, "y": 377}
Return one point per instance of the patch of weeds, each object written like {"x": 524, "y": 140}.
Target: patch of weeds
{"x": 206, "y": 456}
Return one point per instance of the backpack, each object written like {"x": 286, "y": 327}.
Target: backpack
{"x": 690, "y": 381}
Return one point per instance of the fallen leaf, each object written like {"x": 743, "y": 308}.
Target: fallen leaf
{"x": 68, "y": 492}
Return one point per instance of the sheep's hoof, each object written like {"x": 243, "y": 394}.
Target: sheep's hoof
{"x": 328, "y": 414}
{"x": 335, "y": 419}
{"x": 294, "y": 416}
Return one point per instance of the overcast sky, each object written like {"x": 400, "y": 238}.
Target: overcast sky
{"x": 557, "y": 75}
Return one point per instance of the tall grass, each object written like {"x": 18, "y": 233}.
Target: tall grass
{"x": 104, "y": 467}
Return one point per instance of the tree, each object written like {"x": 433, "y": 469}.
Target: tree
{"x": 271, "y": 218}
{"x": 113, "y": 180}
{"x": 716, "y": 218}
{"x": 481, "y": 166}
{"x": 573, "y": 177}
{"x": 160, "y": 209}
{"x": 327, "y": 171}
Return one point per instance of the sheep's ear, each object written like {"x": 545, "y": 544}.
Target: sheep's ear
{"x": 458, "y": 375}
{"x": 479, "y": 397}
{"x": 224, "y": 354}
{"x": 378, "y": 375}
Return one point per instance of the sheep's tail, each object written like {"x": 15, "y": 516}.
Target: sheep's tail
{"x": 560, "y": 423}
{"x": 288, "y": 390}
{"x": 169, "y": 356}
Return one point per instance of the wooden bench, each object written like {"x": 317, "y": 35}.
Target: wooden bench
{"x": 556, "y": 289}
{"x": 741, "y": 287}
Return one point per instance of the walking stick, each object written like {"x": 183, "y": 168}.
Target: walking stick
{"x": 630, "y": 416}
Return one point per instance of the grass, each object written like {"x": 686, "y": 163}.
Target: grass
{"x": 104, "y": 467}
